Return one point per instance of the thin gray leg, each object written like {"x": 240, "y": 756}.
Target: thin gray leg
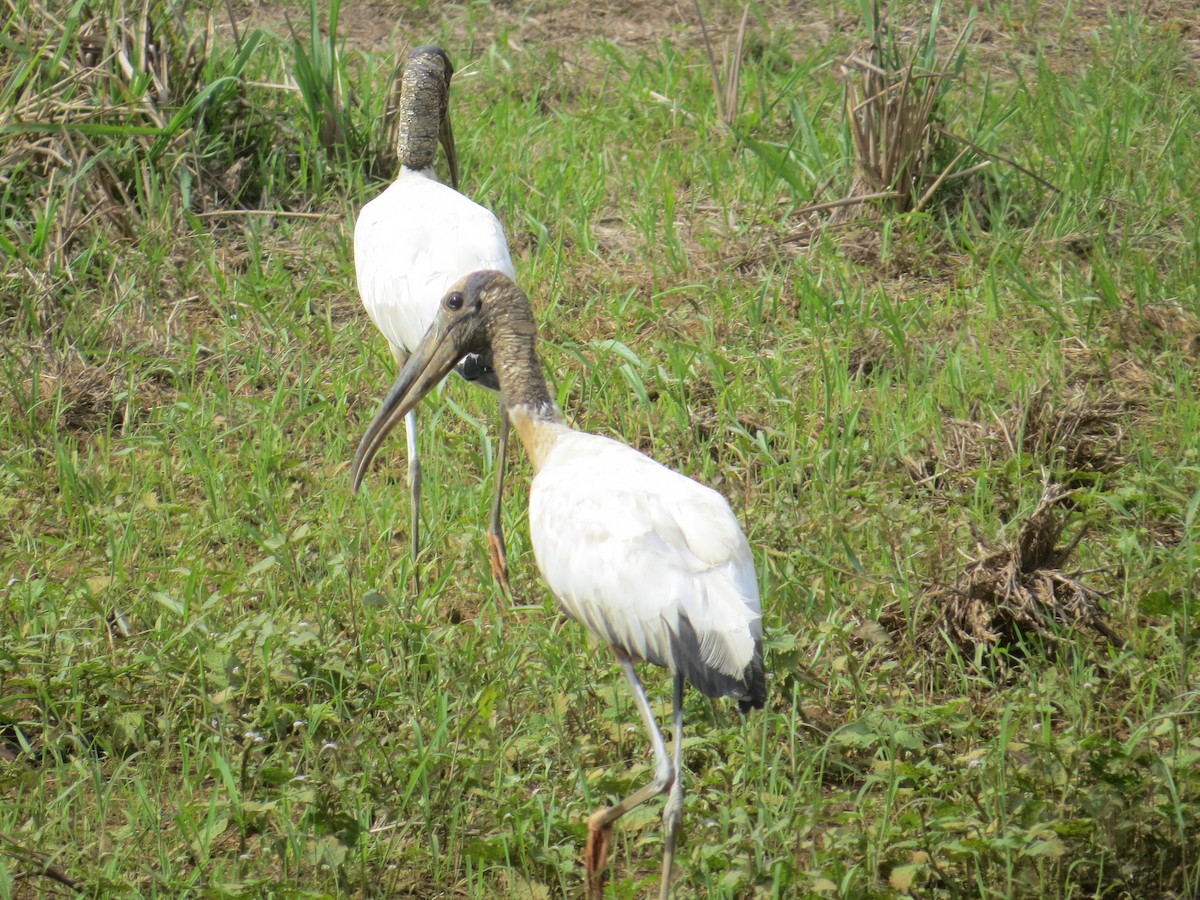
{"x": 414, "y": 486}
{"x": 664, "y": 772}
{"x": 673, "y": 811}
{"x": 400, "y": 355}
{"x": 600, "y": 823}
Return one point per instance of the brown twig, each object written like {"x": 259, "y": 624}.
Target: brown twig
{"x": 283, "y": 214}
{"x": 1004, "y": 159}
{"x": 846, "y": 201}
{"x": 46, "y": 868}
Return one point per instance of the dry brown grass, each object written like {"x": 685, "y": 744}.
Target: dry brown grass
{"x": 1164, "y": 327}
{"x": 78, "y": 393}
{"x": 1076, "y": 428}
{"x": 1021, "y": 587}
{"x": 892, "y": 103}
{"x": 84, "y": 124}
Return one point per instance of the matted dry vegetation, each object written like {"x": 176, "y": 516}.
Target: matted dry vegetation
{"x": 76, "y": 88}
{"x": 1023, "y": 588}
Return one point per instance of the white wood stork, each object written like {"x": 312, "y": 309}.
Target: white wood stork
{"x": 415, "y": 240}
{"x": 651, "y": 561}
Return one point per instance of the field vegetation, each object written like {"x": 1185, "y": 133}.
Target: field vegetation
{"x": 951, "y": 393}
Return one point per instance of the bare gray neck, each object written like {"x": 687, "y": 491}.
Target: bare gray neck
{"x": 515, "y": 359}
{"x": 422, "y": 105}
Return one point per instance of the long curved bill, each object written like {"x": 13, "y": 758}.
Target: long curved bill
{"x": 432, "y": 361}
{"x": 446, "y": 136}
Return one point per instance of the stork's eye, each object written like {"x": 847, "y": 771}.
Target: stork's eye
{"x": 454, "y": 301}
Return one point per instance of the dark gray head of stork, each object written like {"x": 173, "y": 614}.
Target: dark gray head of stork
{"x": 425, "y": 111}
{"x": 478, "y": 309}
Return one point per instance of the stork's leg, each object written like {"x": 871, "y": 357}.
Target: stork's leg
{"x": 673, "y": 811}
{"x": 497, "y": 552}
{"x": 601, "y": 821}
{"x": 414, "y": 486}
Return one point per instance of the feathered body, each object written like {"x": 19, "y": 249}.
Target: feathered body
{"x": 411, "y": 243}
{"x": 651, "y": 561}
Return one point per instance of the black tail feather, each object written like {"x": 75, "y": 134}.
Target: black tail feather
{"x": 476, "y": 369}
{"x": 750, "y": 690}
{"x": 755, "y": 679}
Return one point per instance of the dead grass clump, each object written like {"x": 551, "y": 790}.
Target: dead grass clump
{"x": 64, "y": 389}
{"x": 928, "y": 258}
{"x": 1082, "y": 429}
{"x": 1162, "y": 327}
{"x": 88, "y": 394}
{"x": 893, "y": 103}
{"x": 1074, "y": 430}
{"x": 99, "y": 108}
{"x": 871, "y": 349}
{"x": 67, "y": 390}
{"x": 1021, "y": 587}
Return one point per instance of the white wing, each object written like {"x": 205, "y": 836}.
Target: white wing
{"x": 652, "y": 561}
{"x": 411, "y": 243}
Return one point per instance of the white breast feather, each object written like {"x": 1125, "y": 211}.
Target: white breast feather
{"x": 629, "y": 547}
{"x": 411, "y": 243}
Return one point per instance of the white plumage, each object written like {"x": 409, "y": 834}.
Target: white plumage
{"x": 411, "y": 243}
{"x": 651, "y": 561}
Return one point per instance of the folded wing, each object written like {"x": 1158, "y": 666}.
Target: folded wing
{"x": 651, "y": 561}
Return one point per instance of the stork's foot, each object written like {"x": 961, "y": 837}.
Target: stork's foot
{"x": 595, "y": 854}
{"x": 499, "y": 560}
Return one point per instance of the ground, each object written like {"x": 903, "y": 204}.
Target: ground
{"x": 962, "y": 443}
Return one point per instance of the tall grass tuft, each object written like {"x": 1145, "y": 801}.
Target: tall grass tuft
{"x": 318, "y": 71}
{"x": 352, "y": 123}
{"x": 726, "y": 77}
{"x": 100, "y": 110}
{"x": 893, "y": 100}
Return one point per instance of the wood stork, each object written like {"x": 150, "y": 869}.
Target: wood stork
{"x": 415, "y": 240}
{"x": 651, "y": 561}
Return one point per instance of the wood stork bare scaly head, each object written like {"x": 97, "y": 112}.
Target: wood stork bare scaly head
{"x": 480, "y": 311}
{"x": 424, "y": 115}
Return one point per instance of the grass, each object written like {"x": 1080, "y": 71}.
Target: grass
{"x": 214, "y": 680}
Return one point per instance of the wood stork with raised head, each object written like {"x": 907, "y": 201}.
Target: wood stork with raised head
{"x": 651, "y": 561}
{"x": 415, "y": 240}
